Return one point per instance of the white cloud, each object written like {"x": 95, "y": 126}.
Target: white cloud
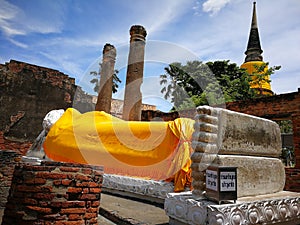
{"x": 214, "y": 6}
{"x": 154, "y": 15}
{"x": 7, "y": 13}
{"x": 17, "y": 43}
{"x": 9, "y": 30}
{"x": 43, "y": 18}
{"x": 165, "y": 12}
{"x": 7, "y": 10}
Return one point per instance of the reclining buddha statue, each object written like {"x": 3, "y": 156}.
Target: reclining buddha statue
{"x": 149, "y": 150}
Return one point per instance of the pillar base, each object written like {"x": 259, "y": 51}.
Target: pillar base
{"x": 278, "y": 208}
{"x": 149, "y": 190}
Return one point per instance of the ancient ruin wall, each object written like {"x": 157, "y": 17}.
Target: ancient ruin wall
{"x": 54, "y": 193}
{"x": 27, "y": 93}
{"x": 8, "y": 161}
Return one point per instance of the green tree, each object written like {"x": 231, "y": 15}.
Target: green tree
{"x": 96, "y": 80}
{"x": 198, "y": 83}
{"x": 262, "y": 75}
{"x": 233, "y": 80}
{"x": 286, "y": 126}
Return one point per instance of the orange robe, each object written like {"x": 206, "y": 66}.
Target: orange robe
{"x": 149, "y": 150}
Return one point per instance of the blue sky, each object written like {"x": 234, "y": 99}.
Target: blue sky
{"x": 69, "y": 35}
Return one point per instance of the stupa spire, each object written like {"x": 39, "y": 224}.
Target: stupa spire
{"x": 254, "y": 51}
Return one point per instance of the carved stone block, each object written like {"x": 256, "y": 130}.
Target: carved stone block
{"x": 255, "y": 175}
{"x": 244, "y": 134}
{"x": 235, "y": 133}
{"x": 280, "y": 208}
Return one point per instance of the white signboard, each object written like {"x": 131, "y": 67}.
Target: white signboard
{"x": 212, "y": 180}
{"x": 227, "y": 181}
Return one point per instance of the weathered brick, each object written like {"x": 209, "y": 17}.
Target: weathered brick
{"x": 95, "y": 203}
{"x": 90, "y": 215}
{"x": 54, "y": 217}
{"x": 98, "y": 172}
{"x": 30, "y": 201}
{"x": 95, "y": 190}
{"x": 75, "y": 217}
{"x": 43, "y": 203}
{"x": 88, "y": 184}
{"x": 74, "y": 190}
{"x": 56, "y": 204}
{"x": 26, "y": 188}
{"x": 85, "y": 190}
{"x": 72, "y": 204}
{"x": 35, "y": 181}
{"x": 70, "y": 176}
{"x": 43, "y": 174}
{"x": 66, "y": 182}
{"x": 92, "y": 210}
{"x": 73, "y": 210}
{"x": 89, "y": 197}
{"x": 69, "y": 169}
{"x": 54, "y": 175}
{"x": 57, "y": 182}
{"x": 82, "y": 177}
{"x": 87, "y": 171}
{"x": 79, "y": 222}
{"x": 40, "y": 209}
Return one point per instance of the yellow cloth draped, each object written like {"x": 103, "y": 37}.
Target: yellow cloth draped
{"x": 150, "y": 150}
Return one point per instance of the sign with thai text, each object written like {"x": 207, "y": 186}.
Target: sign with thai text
{"x": 227, "y": 181}
{"x": 212, "y": 180}
{"x": 221, "y": 183}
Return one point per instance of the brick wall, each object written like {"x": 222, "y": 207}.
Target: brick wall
{"x": 28, "y": 92}
{"x": 51, "y": 76}
{"x": 292, "y": 182}
{"x": 54, "y": 193}
{"x": 8, "y": 161}
{"x": 18, "y": 146}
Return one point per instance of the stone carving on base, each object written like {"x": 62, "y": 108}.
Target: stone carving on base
{"x": 135, "y": 187}
{"x": 259, "y": 212}
{"x": 184, "y": 209}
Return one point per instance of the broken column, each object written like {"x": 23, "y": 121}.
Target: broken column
{"x": 134, "y": 78}
{"x": 106, "y": 79}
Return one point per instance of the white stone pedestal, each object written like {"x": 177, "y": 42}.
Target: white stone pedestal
{"x": 150, "y": 190}
{"x": 279, "y": 208}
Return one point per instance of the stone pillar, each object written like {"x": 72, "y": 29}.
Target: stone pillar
{"x": 54, "y": 193}
{"x": 8, "y": 161}
{"x": 134, "y": 78}
{"x": 106, "y": 79}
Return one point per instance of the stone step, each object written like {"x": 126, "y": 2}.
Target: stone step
{"x": 128, "y": 211}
